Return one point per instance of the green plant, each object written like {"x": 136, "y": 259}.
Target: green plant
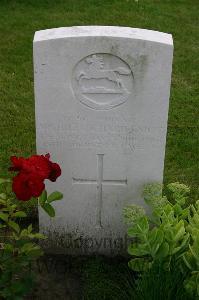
{"x": 18, "y": 245}
{"x": 191, "y": 257}
{"x": 168, "y": 236}
{"x": 158, "y": 283}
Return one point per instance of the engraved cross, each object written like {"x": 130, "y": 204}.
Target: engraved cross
{"x": 100, "y": 182}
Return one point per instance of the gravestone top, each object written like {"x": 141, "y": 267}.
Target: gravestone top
{"x": 114, "y": 31}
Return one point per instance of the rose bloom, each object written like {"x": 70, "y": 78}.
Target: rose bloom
{"x": 26, "y": 186}
{"x": 32, "y": 172}
{"x": 55, "y": 170}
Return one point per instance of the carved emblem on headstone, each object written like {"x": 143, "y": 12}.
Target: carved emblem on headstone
{"x": 102, "y": 81}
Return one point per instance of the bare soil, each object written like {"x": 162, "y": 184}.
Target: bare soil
{"x": 56, "y": 278}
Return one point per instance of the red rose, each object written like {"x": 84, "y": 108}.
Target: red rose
{"x": 32, "y": 172}
{"x": 26, "y": 186}
{"x": 37, "y": 164}
{"x": 55, "y": 170}
{"x": 17, "y": 163}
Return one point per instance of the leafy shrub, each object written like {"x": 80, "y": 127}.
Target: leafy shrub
{"x": 169, "y": 236}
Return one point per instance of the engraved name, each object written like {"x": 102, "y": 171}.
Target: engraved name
{"x": 83, "y": 133}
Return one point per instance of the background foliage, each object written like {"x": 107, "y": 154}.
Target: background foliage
{"x": 19, "y": 19}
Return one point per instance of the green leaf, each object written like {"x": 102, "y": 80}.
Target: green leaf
{"x": 139, "y": 264}
{"x": 185, "y": 242}
{"x": 132, "y": 231}
{"x": 14, "y": 226}
{"x": 157, "y": 242}
{"x": 163, "y": 251}
{"x": 177, "y": 208}
{"x": 3, "y": 196}
{"x": 175, "y": 250}
{"x": 180, "y": 231}
{"x": 194, "y": 252}
{"x": 29, "y": 229}
{"x": 3, "y": 202}
{"x": 43, "y": 198}
{"x": 24, "y": 233}
{"x": 152, "y": 235}
{"x": 19, "y": 214}
{"x": 28, "y": 247}
{"x": 185, "y": 213}
{"x": 31, "y": 250}
{"x": 39, "y": 236}
{"x": 142, "y": 225}
{"x": 138, "y": 250}
{"x": 49, "y": 209}
{"x": 4, "y": 216}
{"x": 8, "y": 247}
{"x": 190, "y": 261}
{"x": 3, "y": 180}
{"x": 55, "y": 196}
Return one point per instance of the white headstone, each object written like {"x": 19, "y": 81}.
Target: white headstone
{"x": 102, "y": 98}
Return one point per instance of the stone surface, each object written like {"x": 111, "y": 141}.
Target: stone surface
{"x": 102, "y": 98}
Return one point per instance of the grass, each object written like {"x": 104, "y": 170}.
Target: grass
{"x": 19, "y": 19}
{"x": 118, "y": 282}
{"x": 111, "y": 279}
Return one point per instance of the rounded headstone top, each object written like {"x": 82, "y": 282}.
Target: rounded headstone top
{"x": 109, "y": 31}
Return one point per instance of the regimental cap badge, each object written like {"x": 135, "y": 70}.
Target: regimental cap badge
{"x": 102, "y": 81}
